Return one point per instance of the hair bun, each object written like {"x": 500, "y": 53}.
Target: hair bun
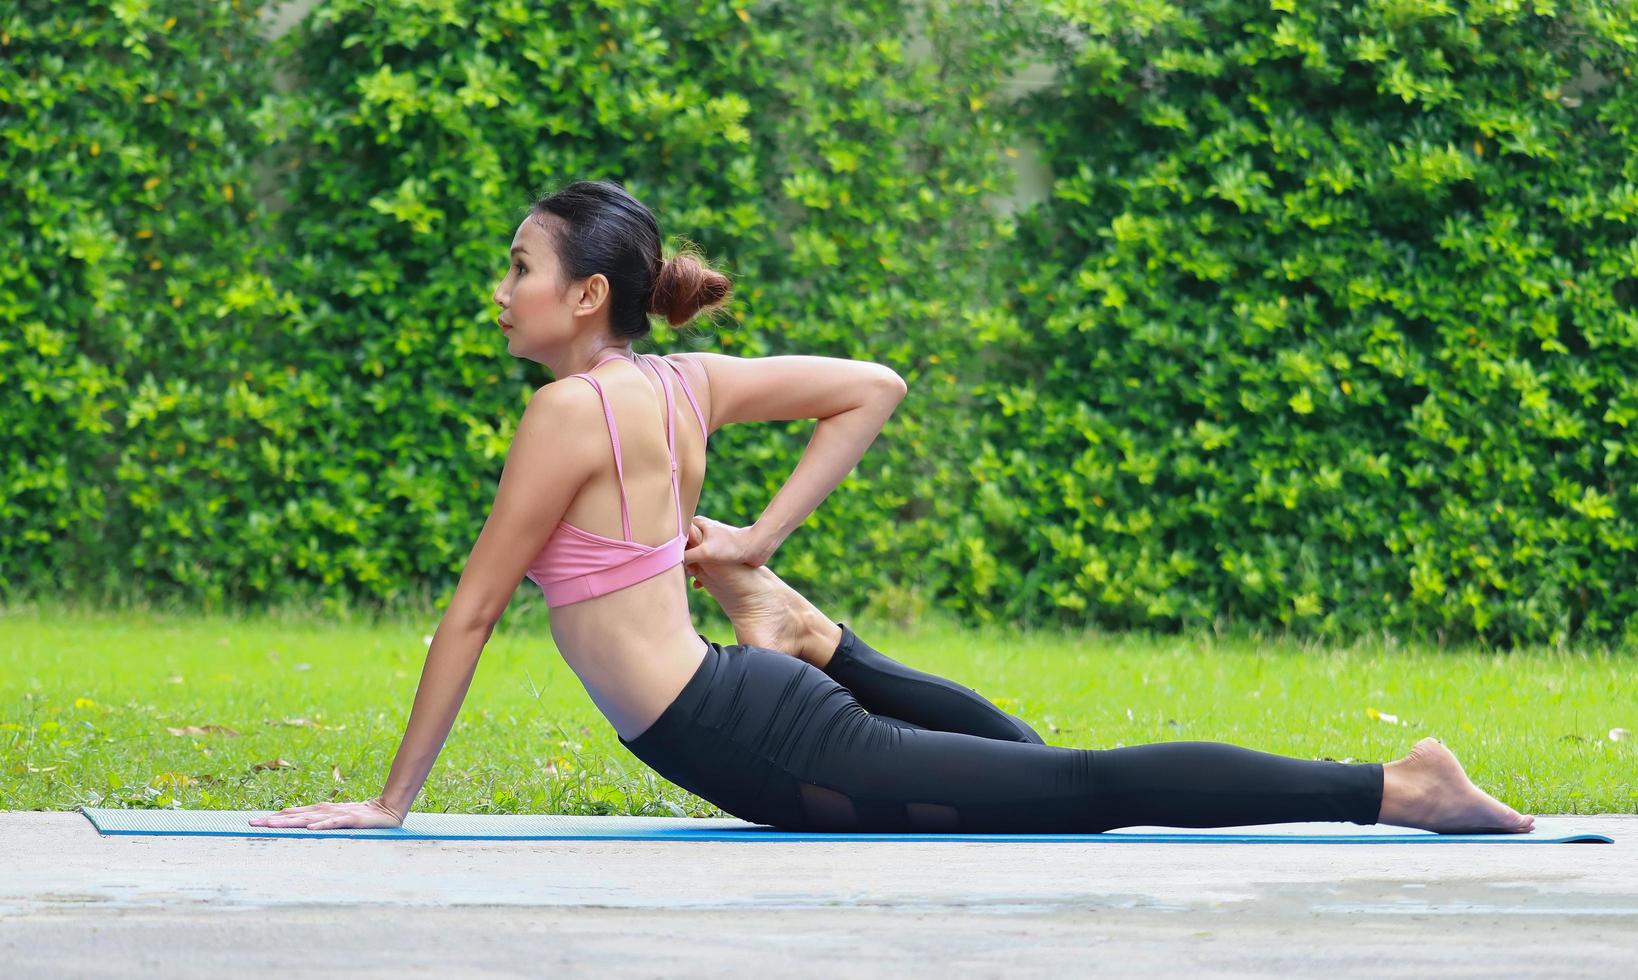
{"x": 685, "y": 286}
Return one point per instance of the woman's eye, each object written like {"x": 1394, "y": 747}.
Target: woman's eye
{"x": 518, "y": 266}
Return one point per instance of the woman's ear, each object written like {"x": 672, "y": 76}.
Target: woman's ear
{"x": 595, "y": 291}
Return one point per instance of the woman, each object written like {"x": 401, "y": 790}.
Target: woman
{"x": 593, "y": 476}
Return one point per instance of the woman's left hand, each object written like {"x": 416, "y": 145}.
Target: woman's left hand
{"x": 331, "y": 816}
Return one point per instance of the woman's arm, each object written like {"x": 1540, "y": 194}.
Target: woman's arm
{"x": 553, "y": 453}
{"x": 851, "y": 400}
{"x": 548, "y": 462}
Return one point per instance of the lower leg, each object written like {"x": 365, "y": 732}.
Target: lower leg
{"x": 886, "y": 687}
{"x": 1216, "y": 784}
{"x": 768, "y": 613}
{"x": 1213, "y": 784}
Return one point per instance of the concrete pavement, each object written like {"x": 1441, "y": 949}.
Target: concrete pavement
{"x": 73, "y": 903}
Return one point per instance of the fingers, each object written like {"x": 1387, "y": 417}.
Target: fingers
{"x": 299, "y": 820}
{"x": 705, "y": 525}
{"x": 366, "y": 815}
{"x": 308, "y": 812}
{"x": 696, "y": 543}
{"x": 287, "y": 814}
{"x": 310, "y": 821}
{"x": 696, "y": 537}
{"x": 704, "y": 554}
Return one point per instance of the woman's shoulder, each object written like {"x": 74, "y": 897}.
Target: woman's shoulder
{"x": 565, "y": 399}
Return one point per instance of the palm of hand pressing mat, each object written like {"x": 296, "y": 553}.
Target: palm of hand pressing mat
{"x": 458, "y": 826}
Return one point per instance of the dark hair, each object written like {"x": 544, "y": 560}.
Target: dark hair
{"x": 604, "y": 229}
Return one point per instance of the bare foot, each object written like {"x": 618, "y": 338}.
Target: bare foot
{"x": 1428, "y": 790}
{"x": 765, "y": 612}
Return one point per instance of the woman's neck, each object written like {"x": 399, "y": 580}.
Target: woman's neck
{"x": 584, "y": 359}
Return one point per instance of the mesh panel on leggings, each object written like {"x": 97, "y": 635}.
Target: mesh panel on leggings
{"x": 832, "y": 811}
{"x": 932, "y": 817}
{"x": 828, "y": 810}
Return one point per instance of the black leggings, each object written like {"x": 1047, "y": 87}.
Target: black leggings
{"x": 870, "y": 745}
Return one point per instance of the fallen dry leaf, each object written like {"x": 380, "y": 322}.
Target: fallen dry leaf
{"x": 306, "y": 723}
{"x": 203, "y": 730}
{"x": 273, "y": 764}
{"x": 335, "y": 773}
{"x": 1617, "y": 734}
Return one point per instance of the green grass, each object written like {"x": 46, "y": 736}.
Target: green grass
{"x": 87, "y": 700}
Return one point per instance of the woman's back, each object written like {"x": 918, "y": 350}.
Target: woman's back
{"x": 634, "y": 647}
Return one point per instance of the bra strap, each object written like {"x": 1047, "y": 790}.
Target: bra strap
{"x": 670, "y": 439}
{"x": 689, "y": 391}
{"x": 614, "y": 438}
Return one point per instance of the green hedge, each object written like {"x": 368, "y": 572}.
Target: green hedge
{"x": 1323, "y": 326}
{"x": 1332, "y": 326}
{"x": 134, "y": 296}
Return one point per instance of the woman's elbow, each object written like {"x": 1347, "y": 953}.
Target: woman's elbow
{"x": 892, "y": 386}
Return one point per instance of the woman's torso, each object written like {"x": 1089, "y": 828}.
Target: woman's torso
{"x": 634, "y": 648}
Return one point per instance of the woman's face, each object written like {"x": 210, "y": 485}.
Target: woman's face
{"x": 531, "y": 299}
{"x": 539, "y": 312}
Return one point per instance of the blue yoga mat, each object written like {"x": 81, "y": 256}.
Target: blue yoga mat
{"x": 478, "y": 826}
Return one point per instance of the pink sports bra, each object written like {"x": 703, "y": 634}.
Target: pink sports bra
{"x": 576, "y": 564}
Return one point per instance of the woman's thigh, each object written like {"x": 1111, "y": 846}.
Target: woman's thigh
{"x": 775, "y": 740}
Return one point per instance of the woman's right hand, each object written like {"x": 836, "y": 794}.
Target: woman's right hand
{"x": 715, "y": 543}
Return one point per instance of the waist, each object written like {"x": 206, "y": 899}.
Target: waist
{"x": 685, "y": 705}
{"x": 632, "y": 650}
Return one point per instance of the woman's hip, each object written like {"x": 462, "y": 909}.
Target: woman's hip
{"x": 772, "y": 739}
{"x": 742, "y": 726}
